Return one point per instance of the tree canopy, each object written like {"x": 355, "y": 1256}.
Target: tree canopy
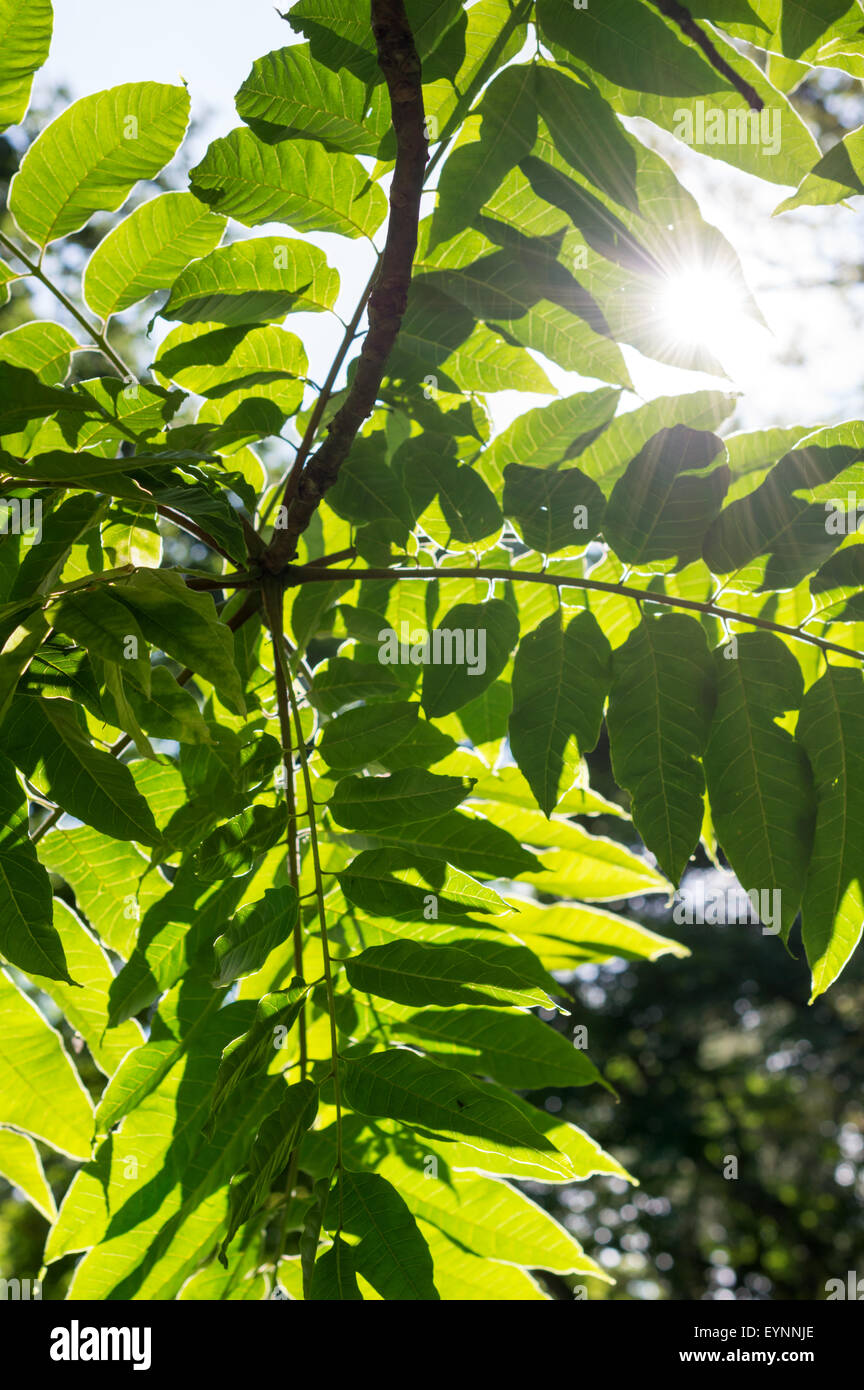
{"x": 300, "y": 837}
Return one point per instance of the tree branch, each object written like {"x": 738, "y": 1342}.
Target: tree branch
{"x": 326, "y": 392}
{"x": 688, "y": 26}
{"x": 306, "y": 574}
{"x": 398, "y": 60}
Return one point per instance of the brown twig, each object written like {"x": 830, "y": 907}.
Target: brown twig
{"x": 687, "y": 24}
{"x": 398, "y": 60}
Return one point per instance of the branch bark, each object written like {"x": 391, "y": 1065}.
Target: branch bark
{"x": 687, "y": 24}
{"x": 398, "y": 60}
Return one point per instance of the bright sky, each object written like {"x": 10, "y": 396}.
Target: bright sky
{"x": 806, "y": 371}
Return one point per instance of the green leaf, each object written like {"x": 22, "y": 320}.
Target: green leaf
{"x": 85, "y": 1004}
{"x": 47, "y": 740}
{"x": 378, "y": 804}
{"x": 553, "y": 510}
{"x": 560, "y": 681}
{"x": 665, "y": 502}
{"x": 631, "y": 45}
{"x": 253, "y": 282}
{"x": 474, "y": 170}
{"x": 340, "y": 35}
{"x": 605, "y": 459}
{"x": 219, "y": 362}
{"x": 251, "y": 1053}
{"x": 778, "y": 519}
{"x": 27, "y": 937}
{"x": 44, "y": 348}
{"x": 489, "y": 1217}
{"x": 583, "y": 865}
{"x": 456, "y": 671}
{"x": 401, "y": 1085}
{"x": 148, "y": 250}
{"x": 391, "y": 1253}
{"x": 411, "y": 972}
{"x": 468, "y": 510}
{"x": 21, "y": 1166}
{"x": 774, "y": 144}
{"x": 287, "y": 94}
{"x": 569, "y": 108}
{"x": 550, "y": 434}
{"x": 834, "y": 178}
{"x": 231, "y": 849}
{"x": 803, "y": 22}
{"x": 659, "y": 721}
{"x": 297, "y": 182}
{"x": 369, "y": 491}
{"x": 759, "y": 781}
{"x": 277, "y": 1138}
{"x": 461, "y": 1277}
{"x": 838, "y": 587}
{"x": 24, "y": 397}
{"x": 832, "y": 911}
{"x": 517, "y": 1049}
{"x": 7, "y": 277}
{"x": 424, "y": 746}
{"x": 90, "y": 158}
{"x": 334, "y": 1276}
{"x": 365, "y": 735}
{"x": 441, "y": 338}
{"x": 184, "y": 1019}
{"x": 99, "y": 622}
{"x": 169, "y": 711}
{"x": 21, "y": 648}
{"x": 25, "y": 38}
{"x": 478, "y": 845}
{"x": 571, "y": 934}
{"x": 341, "y": 681}
{"x": 65, "y": 524}
{"x": 109, "y": 879}
{"x": 253, "y": 932}
{"x": 40, "y": 1090}
{"x": 391, "y": 883}
{"x": 185, "y": 625}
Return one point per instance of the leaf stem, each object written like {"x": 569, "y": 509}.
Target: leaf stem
{"x": 306, "y": 574}
{"x": 325, "y": 945}
{"x": 98, "y": 338}
{"x": 273, "y": 599}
